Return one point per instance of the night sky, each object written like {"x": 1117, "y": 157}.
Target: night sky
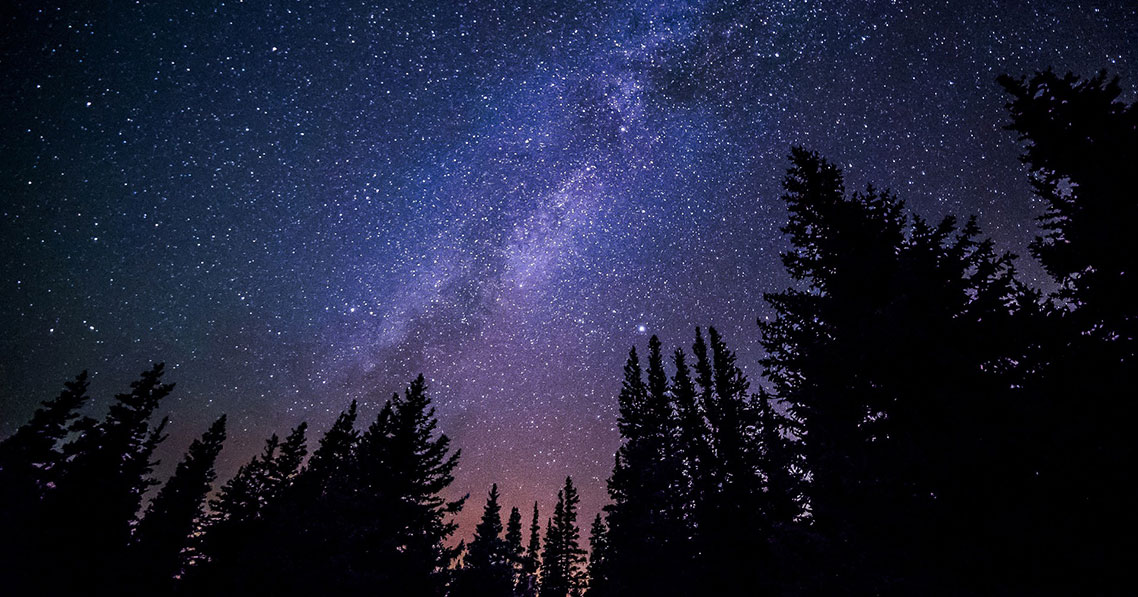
{"x": 296, "y": 204}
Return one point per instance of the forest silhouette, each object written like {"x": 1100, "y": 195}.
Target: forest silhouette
{"x": 925, "y": 424}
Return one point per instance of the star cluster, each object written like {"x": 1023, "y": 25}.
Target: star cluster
{"x": 296, "y": 204}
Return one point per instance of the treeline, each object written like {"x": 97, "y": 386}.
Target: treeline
{"x": 925, "y": 423}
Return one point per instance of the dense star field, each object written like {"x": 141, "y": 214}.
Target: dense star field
{"x": 294, "y": 205}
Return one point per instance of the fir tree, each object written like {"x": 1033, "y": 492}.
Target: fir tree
{"x": 487, "y": 568}
{"x": 648, "y": 533}
{"x": 416, "y": 466}
{"x": 598, "y": 554}
{"x": 164, "y": 532}
{"x": 532, "y": 561}
{"x": 30, "y": 462}
{"x": 236, "y": 536}
{"x": 1080, "y": 142}
{"x": 849, "y": 351}
{"x": 561, "y": 561}
{"x": 99, "y": 492}
{"x": 514, "y": 549}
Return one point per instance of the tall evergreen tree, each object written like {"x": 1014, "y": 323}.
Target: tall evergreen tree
{"x": 164, "y": 532}
{"x": 598, "y": 554}
{"x": 99, "y": 492}
{"x": 693, "y": 442}
{"x": 648, "y": 531}
{"x": 487, "y": 569}
{"x": 888, "y": 451}
{"x": 561, "y": 562}
{"x": 1080, "y": 143}
{"x": 1080, "y": 140}
{"x": 514, "y": 548}
{"x": 30, "y": 462}
{"x": 532, "y": 562}
{"x": 237, "y": 537}
{"x": 417, "y": 465}
{"x": 780, "y": 463}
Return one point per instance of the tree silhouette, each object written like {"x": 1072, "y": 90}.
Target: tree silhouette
{"x": 487, "y": 568}
{"x": 1080, "y": 141}
{"x": 598, "y": 554}
{"x": 99, "y": 491}
{"x": 30, "y": 465}
{"x": 514, "y": 549}
{"x": 562, "y": 558}
{"x": 532, "y": 563}
{"x": 235, "y": 530}
{"x": 895, "y": 337}
{"x": 648, "y": 532}
{"x": 164, "y": 532}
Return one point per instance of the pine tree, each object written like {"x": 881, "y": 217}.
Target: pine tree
{"x": 164, "y": 532}
{"x": 648, "y": 531}
{"x": 487, "y": 569}
{"x": 514, "y": 549}
{"x": 1080, "y": 143}
{"x": 889, "y": 453}
{"x": 99, "y": 492}
{"x": 561, "y": 561}
{"x": 532, "y": 562}
{"x": 780, "y": 464}
{"x": 306, "y": 530}
{"x": 598, "y": 554}
{"x": 413, "y": 465}
{"x": 733, "y": 530}
{"x": 236, "y": 537}
{"x": 30, "y": 462}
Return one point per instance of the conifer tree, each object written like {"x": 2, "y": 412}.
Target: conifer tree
{"x": 30, "y": 462}
{"x": 598, "y": 554}
{"x": 307, "y": 529}
{"x": 99, "y": 492}
{"x": 237, "y": 537}
{"x": 561, "y": 561}
{"x": 649, "y": 534}
{"x": 780, "y": 463}
{"x": 514, "y": 549}
{"x": 164, "y": 532}
{"x": 1080, "y": 141}
{"x": 487, "y": 569}
{"x": 849, "y": 351}
{"x": 532, "y": 562}
{"x": 415, "y": 465}
{"x": 692, "y": 439}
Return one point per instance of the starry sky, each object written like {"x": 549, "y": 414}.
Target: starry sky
{"x": 296, "y": 204}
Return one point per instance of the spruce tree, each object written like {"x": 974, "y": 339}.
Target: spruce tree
{"x": 563, "y": 556}
{"x": 487, "y": 568}
{"x": 30, "y": 463}
{"x": 886, "y": 411}
{"x": 598, "y": 555}
{"x": 236, "y": 537}
{"x": 164, "y": 532}
{"x": 531, "y": 564}
{"x": 733, "y": 530}
{"x": 306, "y": 530}
{"x": 514, "y": 549}
{"x": 99, "y": 491}
{"x": 649, "y": 534}
{"x": 1080, "y": 141}
{"x": 414, "y": 464}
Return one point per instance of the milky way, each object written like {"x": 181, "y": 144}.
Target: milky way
{"x": 295, "y": 205}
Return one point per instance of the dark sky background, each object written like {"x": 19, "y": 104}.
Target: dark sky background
{"x": 295, "y": 204}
